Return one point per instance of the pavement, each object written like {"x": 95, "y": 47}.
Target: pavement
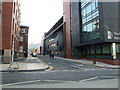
{"x": 35, "y": 64}
{"x": 29, "y": 64}
{"x": 87, "y": 62}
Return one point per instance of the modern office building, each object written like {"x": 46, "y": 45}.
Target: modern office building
{"x": 10, "y": 30}
{"x": 23, "y": 41}
{"x": 92, "y": 30}
{"x": 53, "y": 40}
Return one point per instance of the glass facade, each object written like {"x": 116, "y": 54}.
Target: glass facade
{"x": 90, "y": 19}
{"x": 92, "y": 46}
{"x": 99, "y": 51}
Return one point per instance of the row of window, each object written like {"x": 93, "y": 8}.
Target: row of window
{"x": 91, "y": 26}
{"x": 90, "y": 21}
{"x": 100, "y": 49}
{"x": 91, "y": 16}
{"x": 88, "y": 9}
{"x": 52, "y": 45}
{"x": 85, "y": 2}
{"x": 91, "y": 36}
{"x": 51, "y": 40}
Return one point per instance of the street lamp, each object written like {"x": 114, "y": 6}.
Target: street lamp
{"x": 12, "y": 51}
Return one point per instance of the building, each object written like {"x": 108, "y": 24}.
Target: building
{"x": 53, "y": 40}
{"x": 10, "y": 30}
{"x": 0, "y": 28}
{"x": 23, "y": 41}
{"x": 92, "y": 30}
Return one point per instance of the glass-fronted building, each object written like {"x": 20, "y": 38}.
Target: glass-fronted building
{"x": 95, "y": 29}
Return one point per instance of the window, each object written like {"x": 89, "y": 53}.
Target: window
{"x": 21, "y": 39}
{"x": 14, "y": 7}
{"x": 89, "y": 17}
{"x": 89, "y": 27}
{"x": 95, "y": 24}
{"x": 57, "y": 43}
{"x": 118, "y": 48}
{"x": 96, "y": 2}
{"x": 84, "y": 28}
{"x": 13, "y": 24}
{"x": 93, "y": 6}
{"x": 20, "y": 48}
{"x": 53, "y": 45}
{"x": 88, "y": 9}
{"x": 22, "y": 31}
{"x": 50, "y": 40}
{"x": 105, "y": 48}
{"x": 84, "y": 12}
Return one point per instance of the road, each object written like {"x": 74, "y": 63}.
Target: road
{"x": 62, "y": 72}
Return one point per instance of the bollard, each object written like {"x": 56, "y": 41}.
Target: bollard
{"x": 94, "y": 62}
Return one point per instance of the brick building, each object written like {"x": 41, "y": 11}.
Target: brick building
{"x": 0, "y": 28}
{"x": 10, "y": 30}
{"x": 23, "y": 42}
{"x": 0, "y": 25}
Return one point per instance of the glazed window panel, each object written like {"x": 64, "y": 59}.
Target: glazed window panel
{"x": 84, "y": 28}
{"x": 89, "y": 18}
{"x": 89, "y": 27}
{"x": 88, "y": 9}
{"x": 96, "y": 2}
{"x": 83, "y": 12}
{"x": 105, "y": 48}
{"x": 20, "y": 48}
{"x": 118, "y": 48}
{"x": 93, "y": 6}
{"x": 98, "y": 49}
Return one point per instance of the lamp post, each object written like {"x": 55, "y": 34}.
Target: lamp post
{"x": 12, "y": 51}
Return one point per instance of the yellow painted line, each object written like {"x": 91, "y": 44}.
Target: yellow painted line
{"x": 44, "y": 64}
{"x": 84, "y": 80}
{"x": 49, "y": 68}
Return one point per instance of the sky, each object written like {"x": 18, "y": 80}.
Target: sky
{"x": 40, "y": 16}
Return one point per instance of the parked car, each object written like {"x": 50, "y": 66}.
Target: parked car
{"x": 34, "y": 54}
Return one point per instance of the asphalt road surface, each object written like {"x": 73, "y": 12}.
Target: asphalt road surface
{"x": 63, "y": 71}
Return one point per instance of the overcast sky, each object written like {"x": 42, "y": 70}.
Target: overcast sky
{"x": 40, "y": 16}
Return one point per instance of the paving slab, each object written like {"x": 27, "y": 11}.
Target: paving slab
{"x": 30, "y": 64}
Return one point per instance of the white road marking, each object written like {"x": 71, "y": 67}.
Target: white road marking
{"x": 26, "y": 82}
{"x": 47, "y": 81}
{"x": 108, "y": 76}
{"x": 20, "y": 83}
{"x": 88, "y": 79}
{"x": 58, "y": 81}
